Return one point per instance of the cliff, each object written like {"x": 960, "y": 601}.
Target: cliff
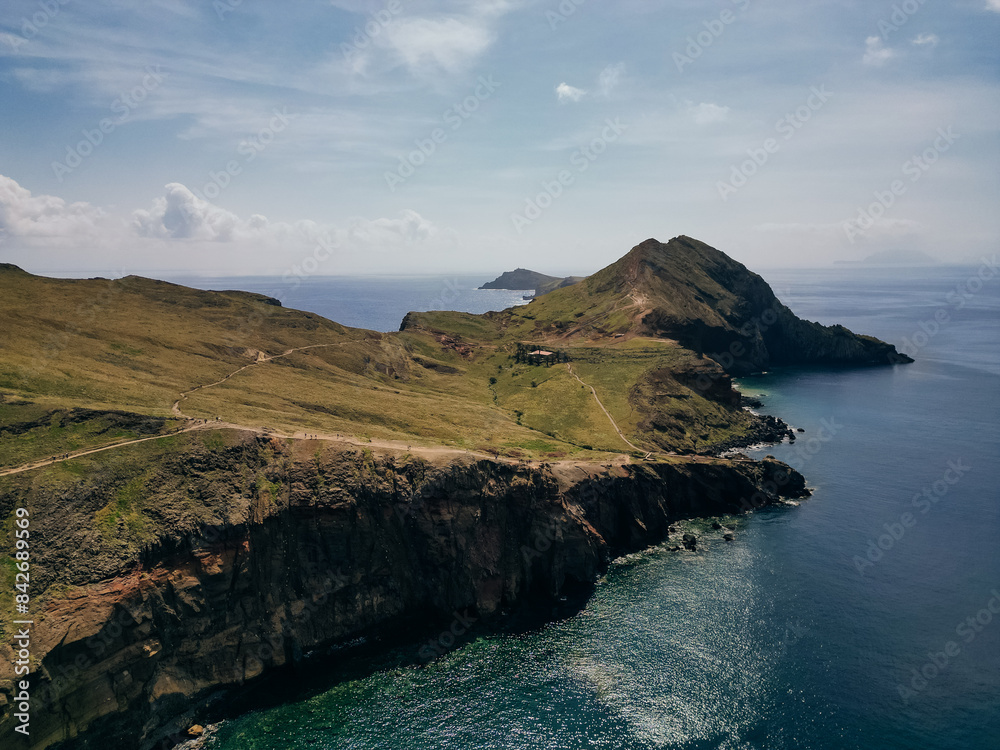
{"x": 256, "y": 552}
{"x": 687, "y": 291}
{"x": 218, "y": 485}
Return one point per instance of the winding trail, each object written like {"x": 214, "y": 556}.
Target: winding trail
{"x": 86, "y": 452}
{"x": 261, "y": 358}
{"x": 418, "y": 450}
{"x": 399, "y": 445}
{"x": 203, "y": 424}
{"x": 606, "y": 412}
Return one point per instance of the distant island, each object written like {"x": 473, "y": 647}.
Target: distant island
{"x": 522, "y": 278}
{"x": 221, "y": 489}
{"x": 899, "y": 257}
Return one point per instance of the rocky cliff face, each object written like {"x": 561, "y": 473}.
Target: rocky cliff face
{"x": 260, "y": 551}
{"x": 718, "y": 307}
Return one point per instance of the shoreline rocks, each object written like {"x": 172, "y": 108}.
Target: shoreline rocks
{"x": 320, "y": 550}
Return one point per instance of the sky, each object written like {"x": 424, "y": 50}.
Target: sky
{"x": 244, "y": 137}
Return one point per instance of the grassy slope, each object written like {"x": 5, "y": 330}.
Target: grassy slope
{"x": 448, "y": 378}
{"x": 136, "y": 344}
{"x": 633, "y": 376}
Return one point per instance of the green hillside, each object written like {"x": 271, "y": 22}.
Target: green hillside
{"x": 86, "y": 363}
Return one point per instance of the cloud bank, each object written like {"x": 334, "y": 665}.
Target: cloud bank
{"x": 180, "y": 221}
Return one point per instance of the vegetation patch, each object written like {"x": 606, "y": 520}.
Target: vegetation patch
{"x": 125, "y": 511}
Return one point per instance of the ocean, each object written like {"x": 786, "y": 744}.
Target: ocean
{"x": 377, "y": 303}
{"x": 867, "y": 616}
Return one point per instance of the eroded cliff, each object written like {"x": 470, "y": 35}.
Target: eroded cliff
{"x": 170, "y": 578}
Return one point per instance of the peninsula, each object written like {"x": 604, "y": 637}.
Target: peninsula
{"x": 219, "y": 487}
{"x": 522, "y": 278}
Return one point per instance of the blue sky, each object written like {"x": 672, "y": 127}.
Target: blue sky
{"x": 439, "y": 136}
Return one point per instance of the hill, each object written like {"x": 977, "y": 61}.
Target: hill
{"x": 657, "y": 334}
{"x": 218, "y": 486}
{"x": 522, "y": 278}
{"x": 688, "y": 292}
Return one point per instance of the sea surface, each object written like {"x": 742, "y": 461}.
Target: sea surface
{"x": 374, "y": 302}
{"x": 840, "y": 623}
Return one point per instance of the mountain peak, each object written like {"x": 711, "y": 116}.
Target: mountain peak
{"x": 692, "y": 293}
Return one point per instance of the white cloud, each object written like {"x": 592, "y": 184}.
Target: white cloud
{"x": 180, "y": 224}
{"x": 409, "y": 228}
{"x": 45, "y": 218}
{"x": 448, "y": 42}
{"x": 609, "y": 78}
{"x": 567, "y": 93}
{"x": 875, "y": 53}
{"x": 927, "y": 39}
{"x": 993, "y": 5}
{"x": 706, "y": 113}
{"x": 428, "y": 45}
{"x": 40, "y": 80}
{"x": 181, "y": 215}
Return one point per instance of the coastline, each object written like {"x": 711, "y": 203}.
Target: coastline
{"x": 533, "y": 536}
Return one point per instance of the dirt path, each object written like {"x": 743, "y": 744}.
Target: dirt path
{"x": 397, "y": 445}
{"x": 606, "y": 412}
{"x": 201, "y": 424}
{"x": 261, "y": 358}
{"x": 76, "y": 454}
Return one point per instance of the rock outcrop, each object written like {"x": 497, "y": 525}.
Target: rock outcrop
{"x": 688, "y": 291}
{"x": 258, "y": 552}
{"x": 731, "y": 315}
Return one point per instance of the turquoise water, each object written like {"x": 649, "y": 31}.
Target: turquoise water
{"x": 782, "y": 639}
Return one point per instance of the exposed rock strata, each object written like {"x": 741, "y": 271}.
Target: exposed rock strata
{"x": 262, "y": 551}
